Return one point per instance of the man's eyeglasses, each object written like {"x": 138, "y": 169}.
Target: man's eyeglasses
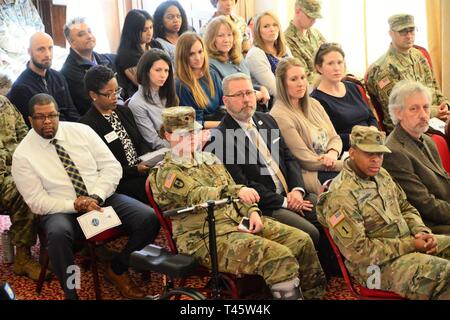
{"x": 111, "y": 95}
{"x": 41, "y": 117}
{"x": 242, "y": 94}
{"x": 405, "y": 32}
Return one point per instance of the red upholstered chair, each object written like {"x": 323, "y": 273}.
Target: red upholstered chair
{"x": 98, "y": 240}
{"x": 357, "y": 290}
{"x": 228, "y": 279}
{"x": 443, "y": 150}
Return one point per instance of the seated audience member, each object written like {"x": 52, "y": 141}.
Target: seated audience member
{"x": 226, "y": 8}
{"x": 224, "y": 53}
{"x": 80, "y": 59}
{"x": 282, "y": 255}
{"x": 23, "y": 230}
{"x": 156, "y": 91}
{"x": 269, "y": 47}
{"x": 373, "y": 224}
{"x": 342, "y": 100}
{"x": 38, "y": 77}
{"x": 136, "y": 38}
{"x": 401, "y": 62}
{"x": 414, "y": 162}
{"x": 305, "y": 126}
{"x": 276, "y": 177}
{"x": 115, "y": 125}
{"x": 196, "y": 85}
{"x": 64, "y": 169}
{"x": 170, "y": 23}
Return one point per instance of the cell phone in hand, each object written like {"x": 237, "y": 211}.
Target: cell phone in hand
{"x": 244, "y": 225}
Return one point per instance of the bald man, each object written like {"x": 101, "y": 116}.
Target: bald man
{"x": 38, "y": 77}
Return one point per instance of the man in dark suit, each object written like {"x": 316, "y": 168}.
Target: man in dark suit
{"x": 233, "y": 143}
{"x": 414, "y": 162}
{"x": 116, "y": 127}
{"x": 81, "y": 58}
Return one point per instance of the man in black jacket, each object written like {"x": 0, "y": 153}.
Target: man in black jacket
{"x": 38, "y": 77}
{"x": 80, "y": 59}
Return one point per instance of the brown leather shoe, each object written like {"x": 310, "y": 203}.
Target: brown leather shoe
{"x": 124, "y": 284}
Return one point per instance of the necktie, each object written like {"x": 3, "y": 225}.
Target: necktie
{"x": 264, "y": 151}
{"x": 71, "y": 169}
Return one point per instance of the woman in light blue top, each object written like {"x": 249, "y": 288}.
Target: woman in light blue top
{"x": 156, "y": 91}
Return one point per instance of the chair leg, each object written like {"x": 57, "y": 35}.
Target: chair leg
{"x": 45, "y": 261}
{"x": 98, "y": 293}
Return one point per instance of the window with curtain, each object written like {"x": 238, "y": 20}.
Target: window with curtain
{"x": 361, "y": 27}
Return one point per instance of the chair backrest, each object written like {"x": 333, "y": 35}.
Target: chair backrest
{"x": 165, "y": 222}
{"x": 443, "y": 150}
{"x": 426, "y": 54}
{"x": 362, "y": 292}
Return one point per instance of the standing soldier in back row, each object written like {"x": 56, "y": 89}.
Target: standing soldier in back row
{"x": 376, "y": 228}
{"x": 282, "y": 255}
{"x": 401, "y": 62}
{"x": 302, "y": 39}
{"x": 23, "y": 222}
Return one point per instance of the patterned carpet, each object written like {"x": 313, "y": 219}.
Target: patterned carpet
{"x": 25, "y": 288}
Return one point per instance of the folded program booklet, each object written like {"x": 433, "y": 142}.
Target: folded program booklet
{"x": 152, "y": 158}
{"x": 95, "y": 222}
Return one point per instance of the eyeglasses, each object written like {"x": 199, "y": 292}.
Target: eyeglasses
{"x": 405, "y": 32}
{"x": 111, "y": 95}
{"x": 242, "y": 94}
{"x": 42, "y": 117}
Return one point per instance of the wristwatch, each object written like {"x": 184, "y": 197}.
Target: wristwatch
{"x": 96, "y": 197}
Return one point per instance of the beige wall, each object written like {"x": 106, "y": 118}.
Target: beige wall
{"x": 445, "y": 9}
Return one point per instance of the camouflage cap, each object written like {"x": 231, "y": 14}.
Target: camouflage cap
{"x": 401, "y": 21}
{"x": 368, "y": 139}
{"x": 179, "y": 120}
{"x": 310, "y": 7}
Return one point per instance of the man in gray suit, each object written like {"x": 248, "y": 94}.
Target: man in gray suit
{"x": 414, "y": 162}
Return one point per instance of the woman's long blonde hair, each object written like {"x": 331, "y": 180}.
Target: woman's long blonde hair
{"x": 234, "y": 55}
{"x": 280, "y": 44}
{"x": 184, "y": 71}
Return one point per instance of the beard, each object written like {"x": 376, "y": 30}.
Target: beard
{"x": 42, "y": 66}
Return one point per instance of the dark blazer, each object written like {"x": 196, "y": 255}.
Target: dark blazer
{"x": 235, "y": 155}
{"x": 74, "y": 69}
{"x": 422, "y": 177}
{"x": 96, "y": 121}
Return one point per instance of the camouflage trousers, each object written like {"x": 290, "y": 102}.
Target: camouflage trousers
{"x": 278, "y": 253}
{"x": 23, "y": 222}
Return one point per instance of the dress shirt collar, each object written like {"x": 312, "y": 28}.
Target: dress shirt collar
{"x": 44, "y": 143}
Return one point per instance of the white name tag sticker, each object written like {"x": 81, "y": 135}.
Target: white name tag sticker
{"x": 110, "y": 137}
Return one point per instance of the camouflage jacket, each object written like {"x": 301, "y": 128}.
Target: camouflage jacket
{"x": 393, "y": 67}
{"x": 12, "y": 130}
{"x": 304, "y": 47}
{"x": 370, "y": 220}
{"x": 180, "y": 183}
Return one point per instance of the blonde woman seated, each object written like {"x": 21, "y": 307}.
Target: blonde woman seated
{"x": 196, "y": 85}
{"x": 306, "y": 127}
{"x": 269, "y": 47}
{"x": 224, "y": 52}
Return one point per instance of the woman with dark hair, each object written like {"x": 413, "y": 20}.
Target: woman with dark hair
{"x": 116, "y": 127}
{"x": 156, "y": 91}
{"x": 197, "y": 86}
{"x": 136, "y": 38}
{"x": 170, "y": 23}
{"x": 342, "y": 100}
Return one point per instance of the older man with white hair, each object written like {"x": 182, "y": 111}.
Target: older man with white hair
{"x": 414, "y": 162}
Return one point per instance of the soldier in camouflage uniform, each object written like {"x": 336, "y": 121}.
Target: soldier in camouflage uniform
{"x": 301, "y": 38}
{"x": 402, "y": 61}
{"x": 282, "y": 255}
{"x": 23, "y": 222}
{"x": 374, "y": 226}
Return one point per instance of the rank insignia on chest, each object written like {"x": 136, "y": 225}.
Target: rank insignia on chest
{"x": 178, "y": 184}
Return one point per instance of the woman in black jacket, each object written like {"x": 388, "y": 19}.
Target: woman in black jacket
{"x": 117, "y": 128}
